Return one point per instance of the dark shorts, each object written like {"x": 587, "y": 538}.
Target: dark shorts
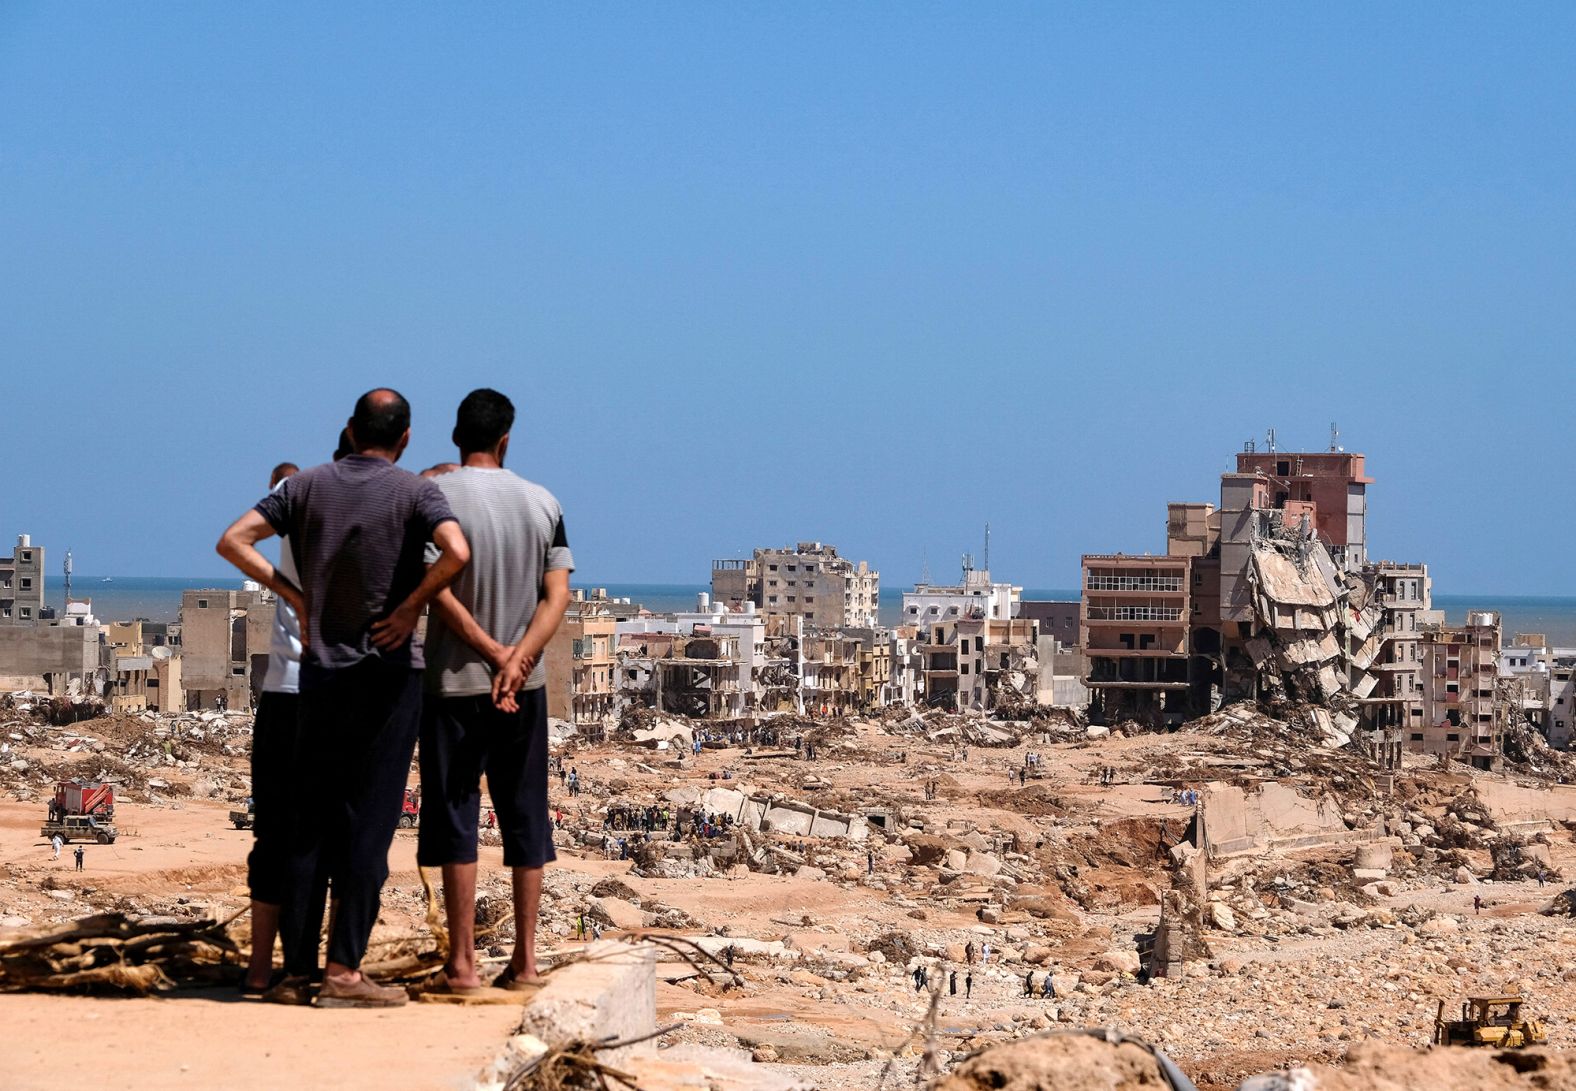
{"x": 273, "y": 742}
{"x": 464, "y": 737}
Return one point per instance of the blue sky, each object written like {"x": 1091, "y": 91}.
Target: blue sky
{"x": 872, "y": 274}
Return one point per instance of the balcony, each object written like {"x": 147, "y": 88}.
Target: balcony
{"x": 1094, "y": 582}
{"x": 1133, "y": 613}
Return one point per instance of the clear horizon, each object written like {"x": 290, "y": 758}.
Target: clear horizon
{"x": 55, "y": 580}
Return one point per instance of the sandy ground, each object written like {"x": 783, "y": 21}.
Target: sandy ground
{"x": 187, "y": 856}
{"x": 833, "y": 1028}
{"x": 213, "y": 1041}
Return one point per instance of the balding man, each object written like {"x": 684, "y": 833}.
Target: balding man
{"x": 357, "y": 530}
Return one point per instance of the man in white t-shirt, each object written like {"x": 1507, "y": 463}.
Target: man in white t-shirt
{"x": 273, "y": 731}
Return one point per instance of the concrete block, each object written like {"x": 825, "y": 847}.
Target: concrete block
{"x": 612, "y": 994}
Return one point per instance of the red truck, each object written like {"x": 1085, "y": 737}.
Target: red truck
{"x": 82, "y": 810}
{"x": 410, "y": 813}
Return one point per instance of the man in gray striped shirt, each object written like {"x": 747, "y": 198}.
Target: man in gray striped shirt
{"x": 357, "y": 530}
{"x": 486, "y": 706}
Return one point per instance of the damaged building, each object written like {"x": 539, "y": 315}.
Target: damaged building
{"x": 809, "y": 581}
{"x": 1462, "y": 713}
{"x": 694, "y": 675}
{"x": 1269, "y": 597}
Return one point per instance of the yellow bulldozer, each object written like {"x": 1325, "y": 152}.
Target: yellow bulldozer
{"x": 1488, "y": 1021}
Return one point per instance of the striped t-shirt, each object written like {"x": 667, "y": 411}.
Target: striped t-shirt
{"x": 357, "y": 529}
{"x": 516, "y": 532}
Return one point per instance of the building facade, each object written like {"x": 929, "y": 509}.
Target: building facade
{"x": 1461, "y": 715}
{"x": 225, "y": 637}
{"x": 975, "y": 596}
{"x": 1136, "y": 626}
{"x": 22, "y": 583}
{"x": 581, "y": 663}
{"x": 809, "y": 581}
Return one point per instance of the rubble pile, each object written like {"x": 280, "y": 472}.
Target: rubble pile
{"x": 204, "y": 754}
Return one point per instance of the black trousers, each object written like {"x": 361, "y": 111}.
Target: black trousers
{"x": 273, "y": 747}
{"x": 354, "y": 740}
{"x": 463, "y": 738}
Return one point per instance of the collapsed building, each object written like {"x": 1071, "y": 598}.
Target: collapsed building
{"x": 1269, "y": 597}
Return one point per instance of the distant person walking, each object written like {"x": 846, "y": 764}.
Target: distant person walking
{"x": 486, "y": 696}
{"x": 273, "y": 743}
{"x": 79, "y": 854}
{"x": 968, "y": 985}
{"x": 357, "y": 529}
{"x": 1028, "y": 983}
{"x": 57, "y": 843}
{"x": 952, "y": 983}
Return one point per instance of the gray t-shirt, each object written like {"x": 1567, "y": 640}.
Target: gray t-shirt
{"x": 516, "y": 531}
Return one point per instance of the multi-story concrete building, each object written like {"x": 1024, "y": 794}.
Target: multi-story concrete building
{"x": 1543, "y": 681}
{"x": 831, "y": 672}
{"x": 1011, "y": 662}
{"x": 1058, "y": 619}
{"x": 1329, "y": 487}
{"x": 876, "y": 651}
{"x": 22, "y": 583}
{"x": 1136, "y": 626}
{"x": 952, "y": 671}
{"x": 61, "y": 660}
{"x": 810, "y": 582}
{"x": 581, "y": 663}
{"x": 907, "y": 667}
{"x": 224, "y": 638}
{"x": 1280, "y": 602}
{"x": 1405, "y": 594}
{"x": 1461, "y": 715}
{"x": 973, "y": 596}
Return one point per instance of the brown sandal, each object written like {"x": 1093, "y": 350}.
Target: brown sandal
{"x": 510, "y": 980}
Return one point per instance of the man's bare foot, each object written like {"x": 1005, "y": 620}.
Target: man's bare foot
{"x": 458, "y": 980}
{"x": 516, "y": 981}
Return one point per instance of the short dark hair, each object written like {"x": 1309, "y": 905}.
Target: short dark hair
{"x": 484, "y": 418}
{"x": 381, "y": 418}
{"x": 345, "y": 446}
{"x": 282, "y": 471}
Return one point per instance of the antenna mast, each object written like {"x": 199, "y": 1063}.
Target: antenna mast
{"x": 1335, "y": 437}
{"x": 68, "y": 579}
{"x": 987, "y": 547}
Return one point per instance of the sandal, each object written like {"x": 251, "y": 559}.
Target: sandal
{"x": 441, "y": 986}
{"x": 252, "y": 992}
{"x": 510, "y": 980}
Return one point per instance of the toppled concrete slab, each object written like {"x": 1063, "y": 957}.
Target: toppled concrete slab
{"x": 760, "y": 812}
{"x": 1233, "y": 821}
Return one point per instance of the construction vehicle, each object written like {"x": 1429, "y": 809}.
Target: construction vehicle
{"x": 243, "y": 820}
{"x": 1488, "y": 1021}
{"x": 81, "y": 810}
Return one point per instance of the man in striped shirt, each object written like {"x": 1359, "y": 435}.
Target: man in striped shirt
{"x": 357, "y": 530}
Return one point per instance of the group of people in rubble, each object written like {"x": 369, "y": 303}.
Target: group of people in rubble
{"x": 367, "y": 550}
